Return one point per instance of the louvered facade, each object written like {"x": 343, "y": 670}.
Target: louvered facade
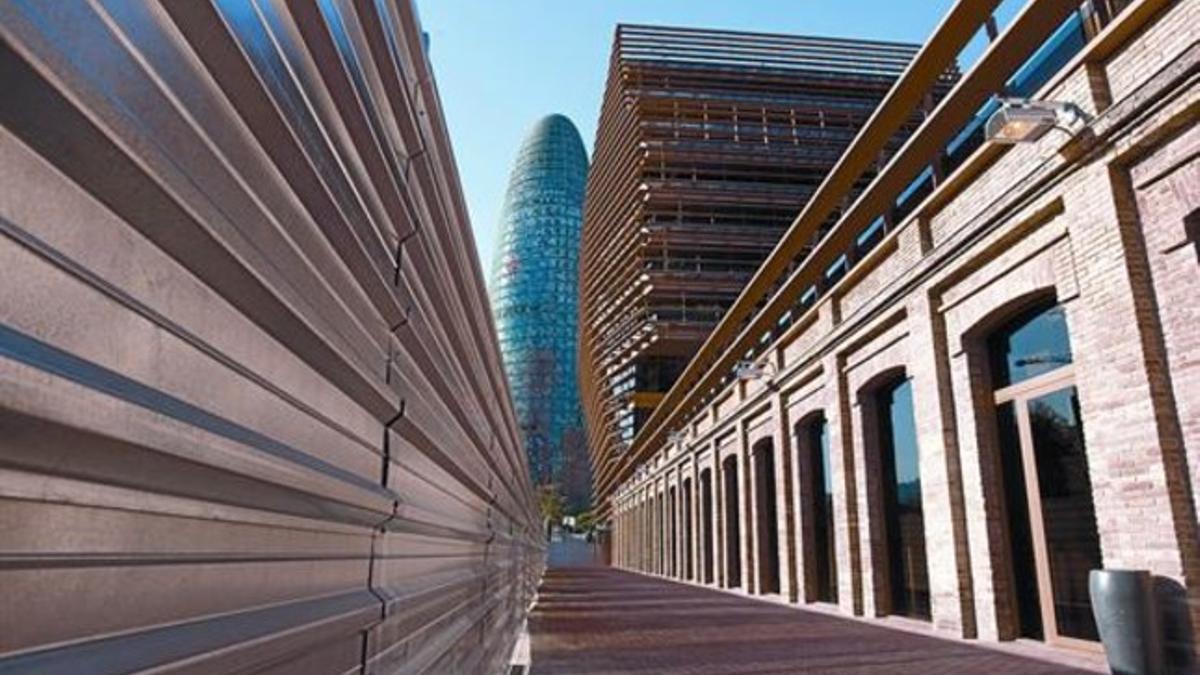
{"x": 709, "y": 143}
{"x": 252, "y": 412}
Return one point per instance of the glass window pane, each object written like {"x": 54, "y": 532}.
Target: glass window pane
{"x": 733, "y": 532}
{"x": 1035, "y": 343}
{"x": 905, "y": 519}
{"x": 1016, "y": 499}
{"x": 766, "y": 535}
{"x": 1068, "y": 513}
{"x": 688, "y": 564}
{"x": 821, "y": 481}
{"x": 706, "y": 523}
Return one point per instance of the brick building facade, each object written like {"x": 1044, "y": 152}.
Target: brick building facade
{"x": 1036, "y": 316}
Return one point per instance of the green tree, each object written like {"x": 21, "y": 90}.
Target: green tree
{"x": 551, "y": 502}
{"x": 585, "y": 522}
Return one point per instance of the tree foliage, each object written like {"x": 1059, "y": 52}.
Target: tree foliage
{"x": 551, "y": 502}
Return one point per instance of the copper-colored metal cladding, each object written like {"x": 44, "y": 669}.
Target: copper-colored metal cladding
{"x": 253, "y": 414}
{"x": 807, "y": 248}
{"x": 709, "y": 142}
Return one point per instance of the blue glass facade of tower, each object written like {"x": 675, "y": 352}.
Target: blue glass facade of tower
{"x": 534, "y": 288}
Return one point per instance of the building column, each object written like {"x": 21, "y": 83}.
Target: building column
{"x": 624, "y": 538}
{"x": 641, "y": 529}
{"x": 616, "y": 533}
{"x": 697, "y": 560}
{"x": 652, "y": 534}
{"x": 845, "y": 486}
{"x": 651, "y": 530}
{"x": 677, "y": 526}
{"x": 1137, "y": 458}
{"x": 781, "y": 444}
{"x": 718, "y": 491}
{"x": 750, "y": 480}
{"x": 712, "y": 539}
{"x": 800, "y": 516}
{"x": 668, "y": 541}
{"x": 652, "y": 541}
{"x": 644, "y": 530}
{"x": 625, "y": 531}
{"x": 628, "y": 531}
{"x": 873, "y": 562}
{"x": 745, "y": 511}
{"x": 616, "y": 536}
{"x": 631, "y": 534}
{"x": 664, "y": 531}
{"x": 647, "y": 530}
{"x": 687, "y": 536}
{"x": 654, "y": 523}
{"x": 946, "y": 545}
{"x": 631, "y": 543}
{"x": 635, "y": 530}
{"x": 680, "y": 540}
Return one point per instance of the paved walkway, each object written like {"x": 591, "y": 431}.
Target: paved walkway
{"x": 593, "y": 620}
{"x": 572, "y": 551}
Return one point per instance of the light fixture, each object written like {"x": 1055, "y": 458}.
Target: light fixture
{"x": 750, "y": 370}
{"x": 1020, "y": 120}
{"x": 675, "y": 436}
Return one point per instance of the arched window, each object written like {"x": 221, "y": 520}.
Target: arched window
{"x": 672, "y": 535}
{"x": 904, "y": 516}
{"x": 733, "y": 532}
{"x": 706, "y": 525}
{"x": 1032, "y": 344}
{"x": 688, "y": 571}
{"x": 816, "y": 490}
{"x": 766, "y": 534}
{"x": 1053, "y": 539}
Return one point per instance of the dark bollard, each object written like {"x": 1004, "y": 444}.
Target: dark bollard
{"x": 1123, "y": 603}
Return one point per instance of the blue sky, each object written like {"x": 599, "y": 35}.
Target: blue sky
{"x": 502, "y": 64}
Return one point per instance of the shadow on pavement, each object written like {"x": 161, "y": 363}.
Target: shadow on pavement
{"x": 597, "y": 620}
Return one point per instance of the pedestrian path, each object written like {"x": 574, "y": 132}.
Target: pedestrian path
{"x": 598, "y": 620}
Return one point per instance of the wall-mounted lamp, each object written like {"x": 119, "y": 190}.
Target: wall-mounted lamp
{"x": 1021, "y": 120}
{"x": 751, "y": 370}
{"x": 675, "y": 436}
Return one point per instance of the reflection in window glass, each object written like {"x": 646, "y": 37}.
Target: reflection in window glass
{"x": 1068, "y": 514}
{"x": 733, "y": 530}
{"x": 821, "y": 486}
{"x": 1034, "y": 343}
{"x": 1016, "y": 501}
{"x": 903, "y": 513}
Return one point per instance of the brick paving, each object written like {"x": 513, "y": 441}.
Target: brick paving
{"x": 593, "y": 620}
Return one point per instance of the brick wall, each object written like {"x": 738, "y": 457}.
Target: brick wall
{"x": 1108, "y": 227}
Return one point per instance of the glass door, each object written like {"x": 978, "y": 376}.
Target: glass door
{"x": 1054, "y": 541}
{"x": 1052, "y": 442}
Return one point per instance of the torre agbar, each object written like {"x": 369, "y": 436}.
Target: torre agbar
{"x": 534, "y": 291}
{"x": 708, "y": 142}
{"x": 964, "y": 377}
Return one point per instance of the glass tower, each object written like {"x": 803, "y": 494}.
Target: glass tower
{"x": 534, "y": 287}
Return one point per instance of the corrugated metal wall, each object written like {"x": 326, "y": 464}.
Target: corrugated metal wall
{"x": 252, "y": 417}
